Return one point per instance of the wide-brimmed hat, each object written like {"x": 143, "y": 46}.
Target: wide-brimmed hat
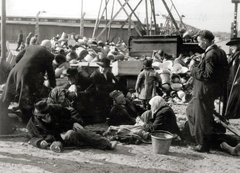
{"x": 41, "y": 108}
{"x": 233, "y": 41}
{"x": 105, "y": 62}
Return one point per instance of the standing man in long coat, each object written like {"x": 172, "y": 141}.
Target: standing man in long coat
{"x": 208, "y": 84}
{"x": 25, "y": 83}
{"x": 233, "y": 85}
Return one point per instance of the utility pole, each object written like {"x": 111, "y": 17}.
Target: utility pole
{"x": 234, "y": 24}
{"x": 37, "y": 24}
{"x": 3, "y": 32}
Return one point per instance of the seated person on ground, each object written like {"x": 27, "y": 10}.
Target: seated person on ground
{"x": 59, "y": 96}
{"x": 160, "y": 117}
{"x": 52, "y": 126}
{"x": 123, "y": 110}
{"x": 79, "y": 91}
{"x": 105, "y": 82}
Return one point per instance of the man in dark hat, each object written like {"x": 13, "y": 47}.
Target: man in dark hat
{"x": 233, "y": 89}
{"x": 208, "y": 86}
{"x": 52, "y": 126}
{"x": 79, "y": 90}
{"x": 105, "y": 82}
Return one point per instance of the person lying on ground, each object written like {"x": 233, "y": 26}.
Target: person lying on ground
{"x": 52, "y": 126}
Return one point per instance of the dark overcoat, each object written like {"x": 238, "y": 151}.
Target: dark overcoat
{"x": 104, "y": 86}
{"x": 233, "y": 87}
{"x": 28, "y": 74}
{"x": 207, "y": 87}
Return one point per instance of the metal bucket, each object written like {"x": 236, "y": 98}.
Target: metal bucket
{"x": 161, "y": 141}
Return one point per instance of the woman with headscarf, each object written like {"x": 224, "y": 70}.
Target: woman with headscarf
{"x": 160, "y": 117}
{"x": 59, "y": 96}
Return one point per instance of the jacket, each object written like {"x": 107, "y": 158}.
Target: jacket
{"x": 209, "y": 73}
{"x": 146, "y": 84}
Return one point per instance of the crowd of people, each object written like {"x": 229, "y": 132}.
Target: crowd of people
{"x": 56, "y": 115}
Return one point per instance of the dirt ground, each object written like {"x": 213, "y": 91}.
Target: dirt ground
{"x": 16, "y": 156}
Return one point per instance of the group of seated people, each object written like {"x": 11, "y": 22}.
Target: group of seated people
{"x": 58, "y": 121}
{"x": 74, "y": 105}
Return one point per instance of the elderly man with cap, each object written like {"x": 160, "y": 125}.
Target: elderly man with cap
{"x": 233, "y": 85}
{"x": 105, "y": 82}
{"x": 25, "y": 83}
{"x": 123, "y": 111}
{"x": 208, "y": 85}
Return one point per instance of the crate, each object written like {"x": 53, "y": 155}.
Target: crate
{"x": 126, "y": 68}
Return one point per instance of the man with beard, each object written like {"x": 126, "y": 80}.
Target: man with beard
{"x": 233, "y": 85}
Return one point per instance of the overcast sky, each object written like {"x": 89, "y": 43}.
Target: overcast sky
{"x": 214, "y": 15}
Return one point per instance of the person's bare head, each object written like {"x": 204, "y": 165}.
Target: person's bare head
{"x": 205, "y": 38}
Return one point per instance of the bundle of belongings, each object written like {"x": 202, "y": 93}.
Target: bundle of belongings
{"x": 128, "y": 134}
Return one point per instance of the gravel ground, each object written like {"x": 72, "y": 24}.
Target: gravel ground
{"x": 16, "y": 156}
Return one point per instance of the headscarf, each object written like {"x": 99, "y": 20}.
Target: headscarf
{"x": 54, "y": 95}
{"x": 156, "y": 103}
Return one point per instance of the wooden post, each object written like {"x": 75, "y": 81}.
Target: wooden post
{"x": 3, "y": 32}
{"x": 96, "y": 22}
{"x": 234, "y": 27}
{"x": 81, "y": 21}
{"x": 146, "y": 5}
